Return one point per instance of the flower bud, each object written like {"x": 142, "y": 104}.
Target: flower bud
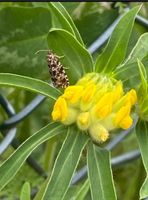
{"x": 98, "y": 133}
{"x": 83, "y": 120}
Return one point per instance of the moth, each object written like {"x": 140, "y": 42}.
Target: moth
{"x": 58, "y": 75}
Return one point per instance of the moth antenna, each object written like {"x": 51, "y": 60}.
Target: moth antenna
{"x": 41, "y": 51}
{"x": 66, "y": 67}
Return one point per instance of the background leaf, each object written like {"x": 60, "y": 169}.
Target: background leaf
{"x": 25, "y": 192}
{"x": 115, "y": 51}
{"x": 65, "y": 165}
{"x": 31, "y": 84}
{"x": 23, "y": 31}
{"x": 11, "y": 166}
{"x": 142, "y": 136}
{"x": 99, "y": 173}
{"x": 76, "y": 57}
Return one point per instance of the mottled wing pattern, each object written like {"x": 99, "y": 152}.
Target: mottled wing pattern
{"x": 58, "y": 75}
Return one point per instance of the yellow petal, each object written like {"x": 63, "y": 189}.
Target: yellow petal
{"x": 126, "y": 122}
{"x": 104, "y": 106}
{"x": 118, "y": 91}
{"x": 60, "y": 110}
{"x": 73, "y": 93}
{"x": 122, "y": 113}
{"x": 133, "y": 96}
{"x": 88, "y": 92}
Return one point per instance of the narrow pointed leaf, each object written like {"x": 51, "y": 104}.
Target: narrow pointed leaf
{"x": 142, "y": 136}
{"x": 12, "y": 165}
{"x": 100, "y": 175}
{"x": 76, "y": 60}
{"x": 62, "y": 19}
{"x": 65, "y": 165}
{"x": 139, "y": 51}
{"x": 25, "y": 192}
{"x": 83, "y": 190}
{"x": 77, "y": 191}
{"x": 32, "y": 84}
{"x": 115, "y": 51}
{"x": 144, "y": 189}
{"x": 130, "y": 66}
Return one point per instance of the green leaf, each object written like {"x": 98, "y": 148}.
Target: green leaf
{"x": 115, "y": 51}
{"x": 144, "y": 189}
{"x": 76, "y": 58}
{"x": 65, "y": 165}
{"x": 25, "y": 192}
{"x": 23, "y": 32}
{"x": 12, "y": 165}
{"x": 83, "y": 190}
{"x": 77, "y": 191}
{"x": 143, "y": 75}
{"x": 62, "y": 19}
{"x": 142, "y": 136}
{"x": 139, "y": 51}
{"x": 99, "y": 173}
{"x": 130, "y": 66}
{"x": 34, "y": 85}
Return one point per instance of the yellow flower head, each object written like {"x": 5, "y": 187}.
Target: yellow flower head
{"x": 97, "y": 104}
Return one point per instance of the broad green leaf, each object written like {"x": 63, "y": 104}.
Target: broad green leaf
{"x": 25, "y": 192}
{"x": 65, "y": 165}
{"x": 100, "y": 175}
{"x": 23, "y": 31}
{"x": 62, "y": 19}
{"x": 115, "y": 51}
{"x": 34, "y": 85}
{"x": 130, "y": 66}
{"x": 12, "y": 165}
{"x": 142, "y": 136}
{"x": 76, "y": 58}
